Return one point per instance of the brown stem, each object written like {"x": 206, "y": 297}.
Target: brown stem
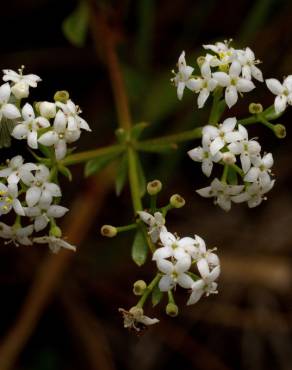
{"x": 82, "y": 214}
{"x": 103, "y": 36}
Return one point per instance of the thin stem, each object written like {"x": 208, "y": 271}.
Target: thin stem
{"x": 170, "y": 297}
{"x": 165, "y": 209}
{"x": 225, "y": 173}
{"x": 218, "y": 107}
{"x": 148, "y": 290}
{"x": 237, "y": 169}
{"x": 134, "y": 180}
{"x": 121, "y": 229}
{"x": 266, "y": 123}
{"x": 92, "y": 154}
{"x": 249, "y": 120}
{"x": 153, "y": 199}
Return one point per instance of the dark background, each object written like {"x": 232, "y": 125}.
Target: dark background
{"x": 248, "y": 325}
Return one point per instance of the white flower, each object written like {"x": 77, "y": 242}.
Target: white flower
{"x": 135, "y": 319}
{"x": 183, "y": 78}
{"x": 156, "y": 223}
{"x": 9, "y": 200}
{"x": 47, "y": 109}
{"x": 172, "y": 246}
{"x": 14, "y": 171}
{"x": 222, "y": 193}
{"x": 40, "y": 189}
{"x": 201, "y": 252}
{"x": 202, "y": 154}
{"x": 233, "y": 83}
{"x": 16, "y": 234}
{"x": 6, "y": 109}
{"x": 245, "y": 148}
{"x": 28, "y": 128}
{"x": 254, "y": 193}
{"x": 55, "y": 244}
{"x": 30, "y": 79}
{"x": 72, "y": 112}
{"x": 42, "y": 215}
{"x": 247, "y": 60}
{"x": 222, "y": 135}
{"x": 175, "y": 273}
{"x": 261, "y": 168}
{"x": 283, "y": 92}
{"x": 59, "y": 136}
{"x": 205, "y": 285}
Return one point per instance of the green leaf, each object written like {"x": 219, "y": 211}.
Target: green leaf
{"x": 137, "y": 130}
{"x": 65, "y": 172}
{"x": 156, "y": 296}
{"x": 232, "y": 176}
{"x": 139, "y": 248}
{"x": 270, "y": 113}
{"x": 141, "y": 177}
{"x": 47, "y": 151}
{"x": 97, "y": 164}
{"x": 75, "y": 26}
{"x": 156, "y": 147}
{"x": 122, "y": 173}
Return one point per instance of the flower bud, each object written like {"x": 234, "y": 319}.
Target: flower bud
{"x": 137, "y": 312}
{"x": 47, "y": 109}
{"x": 177, "y": 201}
{"x": 228, "y": 158}
{"x": 280, "y": 131}
{"x": 154, "y": 187}
{"x": 61, "y": 96}
{"x": 56, "y": 231}
{"x": 108, "y": 231}
{"x": 139, "y": 287}
{"x": 200, "y": 60}
{"x": 20, "y": 90}
{"x": 171, "y": 309}
{"x": 255, "y": 108}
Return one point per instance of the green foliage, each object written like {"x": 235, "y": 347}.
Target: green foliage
{"x": 122, "y": 173}
{"x": 232, "y": 176}
{"x": 156, "y": 296}
{"x": 75, "y": 26}
{"x": 139, "y": 248}
{"x": 97, "y": 164}
{"x": 141, "y": 177}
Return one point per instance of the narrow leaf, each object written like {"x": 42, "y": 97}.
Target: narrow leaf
{"x": 156, "y": 296}
{"x": 232, "y": 176}
{"x": 97, "y": 164}
{"x": 122, "y": 173}
{"x": 138, "y": 129}
{"x": 139, "y": 248}
{"x": 141, "y": 177}
{"x": 65, "y": 171}
{"x": 75, "y": 26}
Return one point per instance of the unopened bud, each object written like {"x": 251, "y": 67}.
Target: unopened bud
{"x": 47, "y": 109}
{"x": 177, "y": 201}
{"x": 108, "y": 231}
{"x": 139, "y": 287}
{"x": 61, "y": 96}
{"x": 255, "y": 108}
{"x": 20, "y": 90}
{"x": 280, "y": 131}
{"x": 154, "y": 187}
{"x": 200, "y": 60}
{"x": 56, "y": 231}
{"x": 137, "y": 312}
{"x": 171, "y": 309}
{"x": 228, "y": 158}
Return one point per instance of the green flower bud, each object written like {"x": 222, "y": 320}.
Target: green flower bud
{"x": 171, "y": 309}
{"x": 62, "y": 96}
{"x": 255, "y": 108}
{"x": 200, "y": 60}
{"x": 139, "y": 287}
{"x": 280, "y": 131}
{"x": 56, "y": 231}
{"x": 108, "y": 231}
{"x": 177, "y": 201}
{"x": 154, "y": 187}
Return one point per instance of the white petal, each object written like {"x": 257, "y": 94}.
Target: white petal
{"x": 207, "y": 166}
{"x": 252, "y": 175}
{"x": 222, "y": 78}
{"x": 32, "y": 140}
{"x": 196, "y": 154}
{"x": 18, "y": 207}
{"x": 203, "y": 268}
{"x": 57, "y": 211}
{"x": 145, "y": 217}
{"x": 49, "y": 138}
{"x": 235, "y": 69}
{"x": 231, "y": 96}
{"x": 162, "y": 253}
{"x": 185, "y": 281}
{"x": 203, "y": 96}
{"x": 245, "y": 162}
{"x": 27, "y": 112}
{"x": 166, "y": 283}
{"x": 165, "y": 266}
{"x": 54, "y": 189}
{"x": 216, "y": 145}
{"x": 41, "y": 222}
{"x": 183, "y": 264}
{"x": 274, "y": 86}
{"x": 228, "y": 124}
{"x": 280, "y": 103}
{"x": 244, "y": 85}
{"x": 167, "y": 238}
{"x": 195, "y": 296}
{"x": 206, "y": 192}
{"x": 32, "y": 196}
{"x": 60, "y": 149}
{"x": 257, "y": 73}
{"x": 180, "y": 89}
{"x": 10, "y": 111}
{"x": 4, "y": 93}
{"x": 20, "y": 132}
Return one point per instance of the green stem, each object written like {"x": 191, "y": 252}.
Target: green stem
{"x": 266, "y": 122}
{"x": 148, "y": 290}
{"x": 237, "y": 169}
{"x": 225, "y": 173}
{"x": 218, "y": 107}
{"x": 249, "y": 120}
{"x": 170, "y": 297}
{"x": 91, "y": 154}
{"x": 165, "y": 209}
{"x": 134, "y": 179}
{"x": 121, "y": 229}
{"x": 153, "y": 199}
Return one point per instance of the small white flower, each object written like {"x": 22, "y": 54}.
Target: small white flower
{"x": 6, "y": 109}
{"x": 42, "y": 215}
{"x": 245, "y": 148}
{"x": 16, "y": 234}
{"x": 9, "y": 199}
{"x": 205, "y": 285}
{"x": 222, "y": 193}
{"x": 59, "y": 136}
{"x": 14, "y": 171}
{"x": 30, "y": 79}
{"x": 201, "y": 252}
{"x": 72, "y": 112}
{"x": 283, "y": 92}
{"x": 175, "y": 273}
{"x": 47, "y": 109}
{"x": 28, "y": 129}
{"x": 156, "y": 223}
{"x": 261, "y": 168}
{"x": 233, "y": 83}
{"x": 202, "y": 154}
{"x": 248, "y": 62}
{"x": 55, "y": 244}
{"x": 183, "y": 78}
{"x": 205, "y": 85}
{"x": 222, "y": 135}
{"x": 134, "y": 319}
{"x": 254, "y": 193}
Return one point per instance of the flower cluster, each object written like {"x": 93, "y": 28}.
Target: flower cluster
{"x": 222, "y": 67}
{"x": 176, "y": 257}
{"x": 229, "y": 145}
